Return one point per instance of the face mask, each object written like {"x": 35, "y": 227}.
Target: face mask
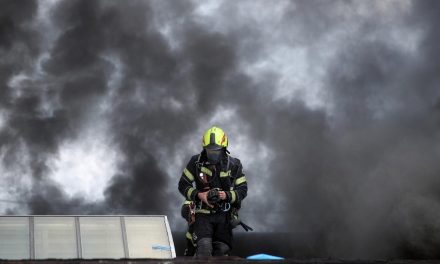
{"x": 214, "y": 156}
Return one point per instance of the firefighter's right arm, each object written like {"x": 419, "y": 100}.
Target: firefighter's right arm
{"x": 186, "y": 182}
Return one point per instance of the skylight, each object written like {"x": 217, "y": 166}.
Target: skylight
{"x": 85, "y": 237}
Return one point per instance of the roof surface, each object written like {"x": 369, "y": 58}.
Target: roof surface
{"x": 221, "y": 260}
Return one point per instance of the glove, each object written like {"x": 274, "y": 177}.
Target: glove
{"x": 213, "y": 196}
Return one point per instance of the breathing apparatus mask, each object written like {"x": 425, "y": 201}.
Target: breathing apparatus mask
{"x": 214, "y": 155}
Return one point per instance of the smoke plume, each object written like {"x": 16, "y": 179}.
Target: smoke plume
{"x": 332, "y": 107}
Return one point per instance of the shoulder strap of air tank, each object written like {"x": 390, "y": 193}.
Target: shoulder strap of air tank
{"x": 197, "y": 165}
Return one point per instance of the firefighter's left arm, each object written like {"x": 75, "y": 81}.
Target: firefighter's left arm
{"x": 239, "y": 191}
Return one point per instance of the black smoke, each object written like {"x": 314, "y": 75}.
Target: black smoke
{"x": 356, "y": 177}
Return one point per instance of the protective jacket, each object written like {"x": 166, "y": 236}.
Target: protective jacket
{"x": 200, "y": 176}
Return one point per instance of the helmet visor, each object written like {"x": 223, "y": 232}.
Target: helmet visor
{"x": 213, "y": 147}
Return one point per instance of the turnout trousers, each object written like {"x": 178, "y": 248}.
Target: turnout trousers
{"x": 214, "y": 226}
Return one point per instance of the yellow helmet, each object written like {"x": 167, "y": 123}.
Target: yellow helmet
{"x": 214, "y": 138}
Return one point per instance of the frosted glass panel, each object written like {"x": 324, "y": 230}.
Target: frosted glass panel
{"x": 147, "y": 237}
{"x": 14, "y": 238}
{"x": 101, "y": 237}
{"x": 95, "y": 237}
{"x": 55, "y": 237}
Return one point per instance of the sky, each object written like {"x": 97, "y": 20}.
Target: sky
{"x": 333, "y": 108}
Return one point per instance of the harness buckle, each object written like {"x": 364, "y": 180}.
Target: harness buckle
{"x": 192, "y": 210}
{"x": 225, "y": 207}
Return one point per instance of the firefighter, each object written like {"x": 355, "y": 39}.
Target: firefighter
{"x": 214, "y": 185}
